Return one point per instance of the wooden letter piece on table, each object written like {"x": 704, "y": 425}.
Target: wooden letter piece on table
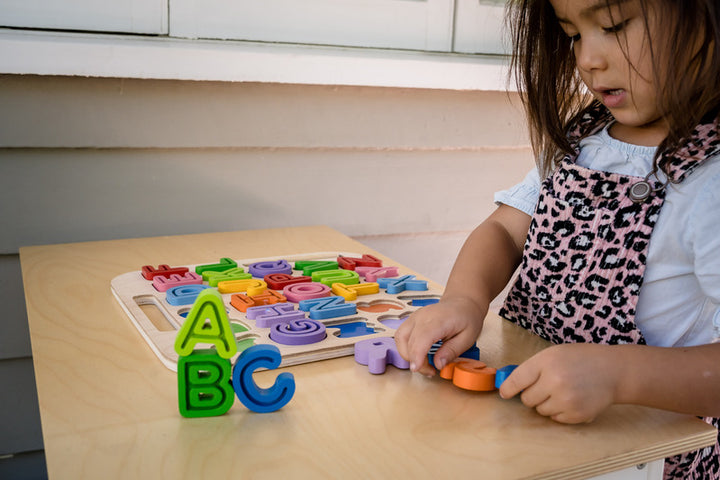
{"x": 470, "y": 375}
{"x": 207, "y": 322}
{"x": 203, "y": 387}
{"x": 261, "y": 400}
{"x": 376, "y": 353}
{"x": 502, "y": 374}
{"x": 472, "y": 353}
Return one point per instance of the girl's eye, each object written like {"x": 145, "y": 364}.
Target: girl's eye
{"x": 615, "y": 28}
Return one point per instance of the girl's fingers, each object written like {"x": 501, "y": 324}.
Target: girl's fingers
{"x": 452, "y": 348}
{"x": 401, "y": 339}
{"x": 420, "y": 343}
{"x": 410, "y": 345}
{"x": 520, "y": 380}
{"x": 547, "y": 408}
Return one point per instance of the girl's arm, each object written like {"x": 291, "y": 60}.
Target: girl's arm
{"x": 574, "y": 383}
{"x": 483, "y": 267}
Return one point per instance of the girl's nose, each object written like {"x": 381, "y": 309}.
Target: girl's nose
{"x": 590, "y": 54}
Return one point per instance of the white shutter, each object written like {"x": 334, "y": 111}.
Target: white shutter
{"x": 401, "y": 24}
{"x": 129, "y": 16}
{"x": 480, "y": 27}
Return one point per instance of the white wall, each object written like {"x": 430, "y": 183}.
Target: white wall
{"x": 88, "y": 159}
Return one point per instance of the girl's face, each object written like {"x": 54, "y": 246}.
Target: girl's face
{"x": 612, "y": 54}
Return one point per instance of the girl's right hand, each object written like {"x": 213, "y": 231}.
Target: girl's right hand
{"x": 457, "y": 321}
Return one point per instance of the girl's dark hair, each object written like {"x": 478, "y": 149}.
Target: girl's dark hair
{"x": 686, "y": 61}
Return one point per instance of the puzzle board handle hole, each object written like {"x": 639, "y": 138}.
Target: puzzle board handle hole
{"x": 152, "y": 311}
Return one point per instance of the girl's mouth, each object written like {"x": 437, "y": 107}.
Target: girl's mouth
{"x": 613, "y": 98}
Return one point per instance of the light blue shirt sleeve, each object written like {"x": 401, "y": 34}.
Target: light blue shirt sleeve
{"x": 524, "y": 195}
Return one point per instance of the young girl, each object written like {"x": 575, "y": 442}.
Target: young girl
{"x": 617, "y": 233}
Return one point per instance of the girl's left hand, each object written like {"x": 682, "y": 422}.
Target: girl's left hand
{"x": 570, "y": 383}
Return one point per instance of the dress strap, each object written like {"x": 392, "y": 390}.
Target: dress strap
{"x": 703, "y": 144}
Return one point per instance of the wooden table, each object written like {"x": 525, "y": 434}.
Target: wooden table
{"x": 109, "y": 407}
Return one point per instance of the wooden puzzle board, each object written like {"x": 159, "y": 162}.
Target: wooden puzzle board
{"x": 158, "y": 321}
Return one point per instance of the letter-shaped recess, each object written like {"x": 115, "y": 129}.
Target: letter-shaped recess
{"x": 424, "y": 302}
{"x": 350, "y": 263}
{"x": 376, "y": 353}
{"x": 260, "y": 269}
{"x": 203, "y": 387}
{"x": 470, "y": 375}
{"x": 207, "y": 322}
{"x": 353, "y": 329}
{"x": 261, "y": 400}
{"x": 224, "y": 264}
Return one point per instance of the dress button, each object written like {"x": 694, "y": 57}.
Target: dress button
{"x": 640, "y": 191}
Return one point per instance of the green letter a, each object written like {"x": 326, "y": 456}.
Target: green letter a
{"x": 207, "y": 322}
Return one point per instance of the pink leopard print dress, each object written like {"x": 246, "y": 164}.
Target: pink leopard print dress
{"x": 585, "y": 254}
